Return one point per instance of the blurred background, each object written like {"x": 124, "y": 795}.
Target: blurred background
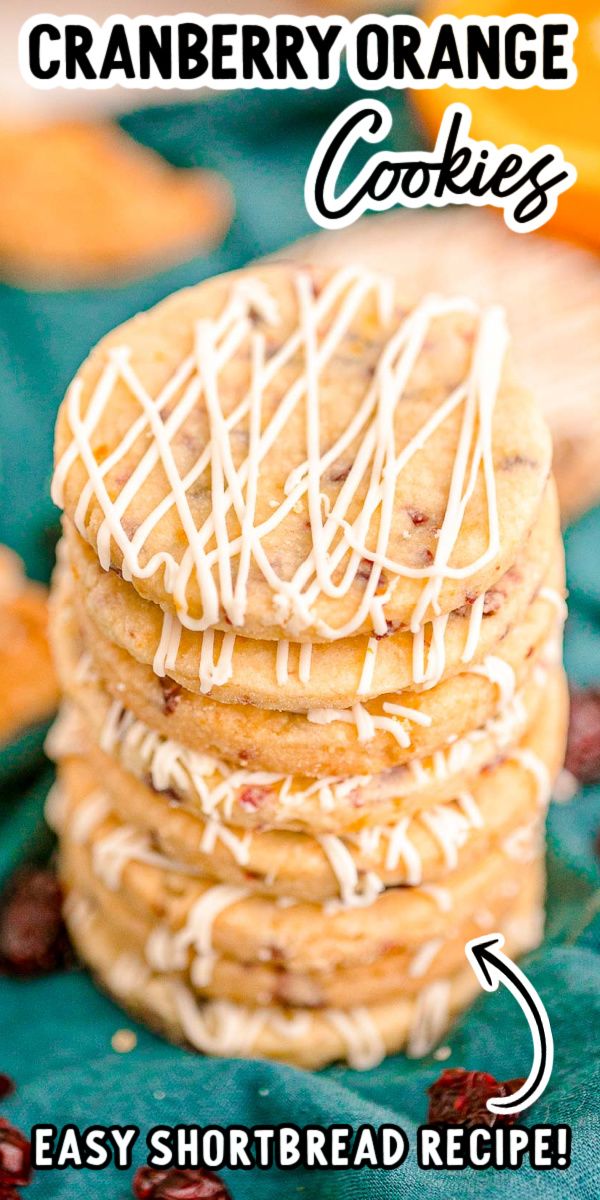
{"x": 111, "y": 200}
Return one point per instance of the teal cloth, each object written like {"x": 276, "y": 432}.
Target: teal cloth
{"x": 55, "y": 1033}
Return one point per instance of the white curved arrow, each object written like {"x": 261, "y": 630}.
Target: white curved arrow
{"x": 492, "y": 967}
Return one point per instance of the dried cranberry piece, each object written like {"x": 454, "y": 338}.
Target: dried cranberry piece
{"x": 417, "y": 517}
{"x": 171, "y": 694}
{"x": 33, "y": 938}
{"x": 196, "y": 1184}
{"x": 583, "y": 746}
{"x": 459, "y": 1097}
{"x": 253, "y": 797}
{"x": 7, "y": 1085}
{"x": 15, "y": 1158}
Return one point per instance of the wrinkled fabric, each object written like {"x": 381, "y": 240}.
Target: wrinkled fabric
{"x": 55, "y": 1037}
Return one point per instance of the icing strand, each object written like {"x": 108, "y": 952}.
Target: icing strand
{"x": 498, "y": 672}
{"x": 113, "y": 851}
{"x": 221, "y": 1027}
{"x": 474, "y": 629}
{"x": 365, "y": 683}
{"x": 281, "y": 662}
{"x": 364, "y": 1047}
{"x": 555, "y": 598}
{"x": 422, "y": 960}
{"x": 168, "y": 951}
{"x": 354, "y": 891}
{"x": 440, "y": 896}
{"x": 366, "y": 724}
{"x": 89, "y": 814}
{"x": 538, "y": 769}
{"x": 336, "y": 544}
{"x": 430, "y": 1019}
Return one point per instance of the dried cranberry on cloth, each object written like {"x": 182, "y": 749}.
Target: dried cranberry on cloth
{"x": 460, "y": 1097}
{"x": 152, "y": 1184}
{"x": 33, "y": 938}
{"x": 15, "y": 1158}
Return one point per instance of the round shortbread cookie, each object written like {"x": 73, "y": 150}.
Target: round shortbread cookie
{"x": 293, "y": 453}
{"x": 299, "y": 936}
{"x": 358, "y": 1035}
{"x": 503, "y": 802}
{"x": 399, "y": 972}
{"x": 253, "y": 798}
{"x": 28, "y": 685}
{"x": 368, "y": 738}
{"x": 556, "y": 347}
{"x": 294, "y": 676}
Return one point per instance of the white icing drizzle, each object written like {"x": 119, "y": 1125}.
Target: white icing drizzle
{"x": 291, "y": 1024}
{"x": 78, "y": 911}
{"x": 523, "y": 844}
{"x": 365, "y": 683}
{"x": 64, "y": 738}
{"x": 440, "y": 896}
{"x": 422, "y": 960}
{"x": 474, "y": 630}
{"x": 429, "y": 670}
{"x": 239, "y": 845}
{"x": 127, "y": 975}
{"x": 216, "y": 674}
{"x": 470, "y": 809}
{"x": 498, "y": 672}
{"x": 89, "y": 813}
{"x": 85, "y": 672}
{"x": 450, "y": 829}
{"x": 168, "y": 951}
{"x": 362, "y": 1040}
{"x": 354, "y": 891}
{"x": 555, "y": 598}
{"x": 368, "y": 724}
{"x": 56, "y": 808}
{"x": 112, "y": 852}
{"x": 401, "y": 847}
{"x": 220, "y": 1027}
{"x": 336, "y": 543}
{"x": 305, "y": 662}
{"x": 430, "y": 1019}
{"x": 566, "y": 786}
{"x": 210, "y": 673}
{"x": 536, "y": 767}
{"x": 281, "y": 661}
{"x": 409, "y": 714}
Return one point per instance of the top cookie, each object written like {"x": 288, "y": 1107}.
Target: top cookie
{"x": 294, "y": 453}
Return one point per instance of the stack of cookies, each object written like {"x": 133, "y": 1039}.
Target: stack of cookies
{"x": 307, "y": 618}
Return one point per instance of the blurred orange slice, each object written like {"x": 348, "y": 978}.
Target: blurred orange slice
{"x": 569, "y": 119}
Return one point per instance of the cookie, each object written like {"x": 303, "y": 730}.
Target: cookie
{"x": 502, "y": 801}
{"x": 372, "y": 737}
{"x": 555, "y": 341}
{"x": 376, "y": 464}
{"x": 361, "y": 1035}
{"x": 307, "y": 617}
{"x": 301, "y": 676}
{"x": 254, "y": 798}
{"x": 400, "y": 971}
{"x": 82, "y": 203}
{"x": 302, "y": 936}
